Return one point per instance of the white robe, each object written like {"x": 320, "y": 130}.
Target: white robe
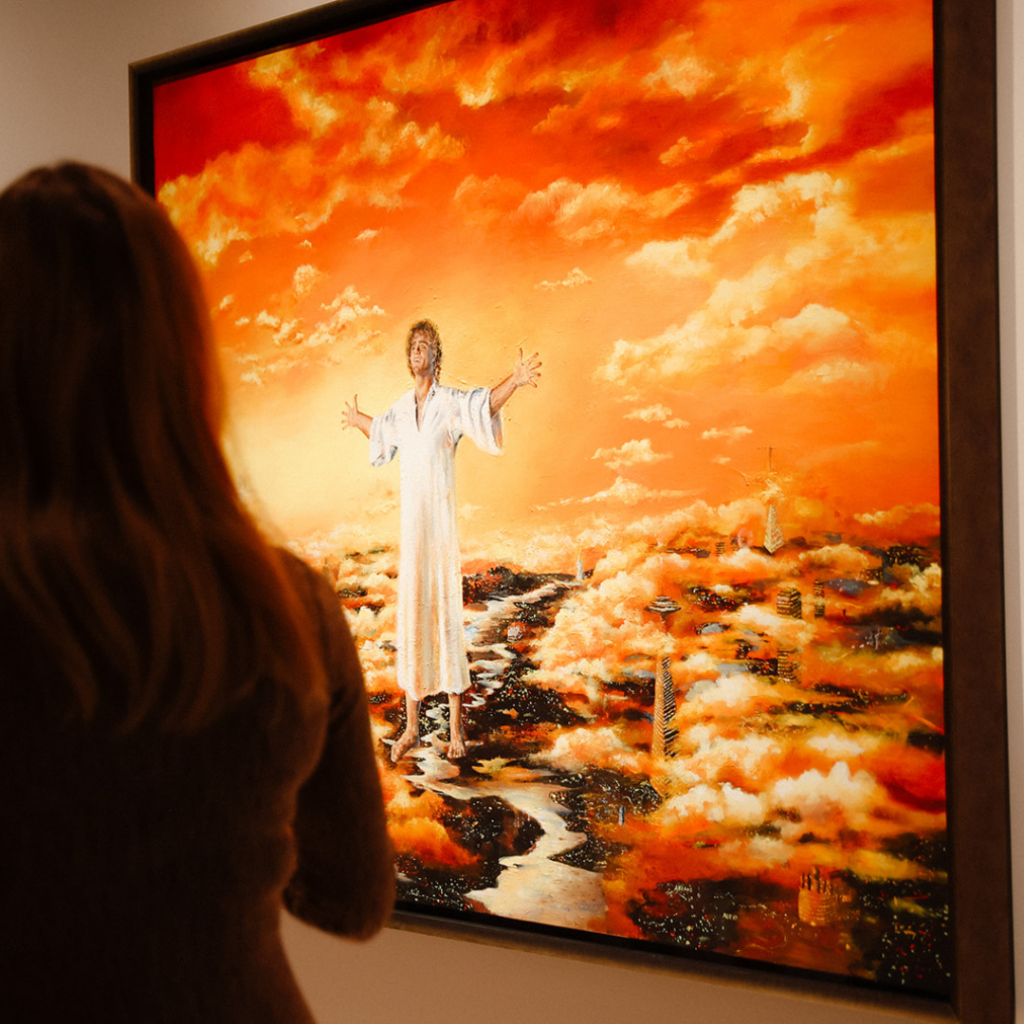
{"x": 430, "y": 642}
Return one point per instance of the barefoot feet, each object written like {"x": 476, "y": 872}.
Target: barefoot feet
{"x": 409, "y": 739}
{"x": 457, "y": 745}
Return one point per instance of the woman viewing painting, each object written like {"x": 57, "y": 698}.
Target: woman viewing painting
{"x": 184, "y": 741}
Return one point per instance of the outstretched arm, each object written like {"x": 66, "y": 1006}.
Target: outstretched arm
{"x": 355, "y": 418}
{"x": 526, "y": 371}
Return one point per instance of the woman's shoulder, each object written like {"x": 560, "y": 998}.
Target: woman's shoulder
{"x": 320, "y": 600}
{"x": 302, "y": 575}
{"x": 313, "y": 590}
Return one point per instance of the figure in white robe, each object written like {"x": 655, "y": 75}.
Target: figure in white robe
{"x": 430, "y": 641}
{"x": 424, "y": 428}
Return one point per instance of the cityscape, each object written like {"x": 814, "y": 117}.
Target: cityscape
{"x": 704, "y": 744}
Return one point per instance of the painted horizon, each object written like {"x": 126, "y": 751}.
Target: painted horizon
{"x": 716, "y": 224}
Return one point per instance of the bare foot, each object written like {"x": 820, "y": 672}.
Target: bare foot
{"x": 457, "y": 745}
{"x": 409, "y": 739}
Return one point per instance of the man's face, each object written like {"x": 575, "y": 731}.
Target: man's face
{"x": 421, "y": 356}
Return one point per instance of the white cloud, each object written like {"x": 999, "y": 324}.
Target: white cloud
{"x": 730, "y": 434}
{"x": 685, "y": 75}
{"x": 840, "y": 558}
{"x": 582, "y": 213}
{"x": 388, "y": 137}
{"x": 305, "y": 279}
{"x": 579, "y": 748}
{"x": 840, "y": 745}
{"x": 623, "y": 492}
{"x": 818, "y": 797}
{"x": 657, "y": 414}
{"x": 679, "y": 258}
{"x": 780, "y": 241}
{"x": 346, "y": 308}
{"x": 288, "y": 334}
{"x": 727, "y": 805}
{"x": 897, "y": 515}
{"x": 573, "y": 279}
{"x": 632, "y": 453}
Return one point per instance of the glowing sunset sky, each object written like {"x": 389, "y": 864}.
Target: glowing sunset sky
{"x": 714, "y": 221}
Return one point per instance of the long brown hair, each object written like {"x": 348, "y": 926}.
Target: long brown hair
{"x": 128, "y": 564}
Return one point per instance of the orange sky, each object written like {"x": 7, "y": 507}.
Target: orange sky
{"x": 714, "y": 220}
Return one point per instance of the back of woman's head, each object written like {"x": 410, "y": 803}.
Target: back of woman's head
{"x": 126, "y": 558}
{"x": 104, "y": 364}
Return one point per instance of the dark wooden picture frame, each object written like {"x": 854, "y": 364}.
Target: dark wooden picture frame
{"x": 971, "y": 486}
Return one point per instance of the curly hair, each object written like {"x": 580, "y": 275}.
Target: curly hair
{"x": 429, "y": 328}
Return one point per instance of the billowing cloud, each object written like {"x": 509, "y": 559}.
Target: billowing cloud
{"x": 897, "y": 515}
{"x": 745, "y": 322}
{"x": 582, "y": 213}
{"x": 581, "y": 748}
{"x": 345, "y": 309}
{"x": 289, "y": 333}
{"x": 682, "y": 71}
{"x": 726, "y": 805}
{"x": 295, "y": 347}
{"x": 305, "y": 279}
{"x": 258, "y": 192}
{"x": 680, "y": 259}
{"x": 632, "y": 453}
{"x": 820, "y": 798}
{"x": 840, "y": 559}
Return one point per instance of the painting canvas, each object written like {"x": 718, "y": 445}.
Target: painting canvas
{"x": 701, "y": 584}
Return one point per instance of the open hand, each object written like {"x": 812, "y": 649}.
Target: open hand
{"x": 526, "y": 371}
{"x": 351, "y": 417}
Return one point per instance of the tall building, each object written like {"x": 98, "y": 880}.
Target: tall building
{"x": 665, "y": 732}
{"x": 788, "y": 664}
{"x": 818, "y": 903}
{"x": 773, "y": 539}
{"x": 788, "y": 603}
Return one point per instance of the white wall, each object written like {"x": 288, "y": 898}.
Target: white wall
{"x": 63, "y": 93}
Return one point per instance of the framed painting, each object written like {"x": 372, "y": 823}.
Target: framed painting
{"x": 693, "y": 647}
